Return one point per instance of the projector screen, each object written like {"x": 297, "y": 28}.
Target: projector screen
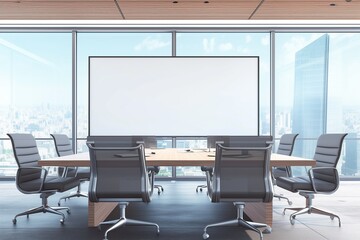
{"x": 173, "y": 96}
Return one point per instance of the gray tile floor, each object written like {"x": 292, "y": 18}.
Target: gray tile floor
{"x": 181, "y": 213}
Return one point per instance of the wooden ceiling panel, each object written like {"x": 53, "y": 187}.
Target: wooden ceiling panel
{"x": 308, "y": 10}
{"x": 187, "y": 10}
{"x": 59, "y": 10}
{"x": 182, "y": 10}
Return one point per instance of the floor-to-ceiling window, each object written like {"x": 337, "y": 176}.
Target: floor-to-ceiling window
{"x": 35, "y": 92}
{"x": 115, "y": 44}
{"x": 228, "y": 44}
{"x": 316, "y": 76}
{"x": 316, "y": 79}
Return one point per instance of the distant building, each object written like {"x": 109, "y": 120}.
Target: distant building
{"x": 310, "y": 93}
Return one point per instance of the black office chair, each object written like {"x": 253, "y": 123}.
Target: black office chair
{"x": 321, "y": 179}
{"x": 232, "y": 141}
{"x": 63, "y": 148}
{"x": 32, "y": 179}
{"x": 119, "y": 174}
{"x": 208, "y": 172}
{"x": 241, "y": 175}
{"x": 152, "y": 171}
{"x": 286, "y": 147}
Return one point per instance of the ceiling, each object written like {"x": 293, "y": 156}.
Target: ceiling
{"x": 179, "y": 10}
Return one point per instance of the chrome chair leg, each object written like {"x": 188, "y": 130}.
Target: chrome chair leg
{"x": 44, "y": 208}
{"x": 239, "y": 221}
{"x": 78, "y": 193}
{"x": 309, "y": 209}
{"x": 279, "y": 196}
{"x": 124, "y": 221}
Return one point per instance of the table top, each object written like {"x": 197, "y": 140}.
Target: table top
{"x": 174, "y": 157}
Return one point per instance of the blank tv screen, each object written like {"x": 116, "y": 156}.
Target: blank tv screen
{"x": 173, "y": 96}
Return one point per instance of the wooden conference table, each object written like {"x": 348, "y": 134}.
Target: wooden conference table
{"x": 97, "y": 212}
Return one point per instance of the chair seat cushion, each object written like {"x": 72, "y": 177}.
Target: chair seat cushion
{"x": 60, "y": 184}
{"x": 57, "y": 184}
{"x": 279, "y": 172}
{"x": 294, "y": 184}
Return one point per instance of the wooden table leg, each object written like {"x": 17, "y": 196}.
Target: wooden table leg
{"x": 260, "y": 212}
{"x": 99, "y": 211}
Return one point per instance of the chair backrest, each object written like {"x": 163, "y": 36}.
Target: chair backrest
{"x": 118, "y": 173}
{"x": 236, "y": 141}
{"x": 286, "y": 144}
{"x": 327, "y": 154}
{"x": 328, "y": 149}
{"x": 242, "y": 174}
{"x": 26, "y": 155}
{"x": 149, "y": 141}
{"x": 62, "y": 144}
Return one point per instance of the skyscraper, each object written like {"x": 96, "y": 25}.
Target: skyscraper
{"x": 310, "y": 93}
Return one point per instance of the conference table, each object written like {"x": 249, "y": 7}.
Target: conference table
{"x": 98, "y": 212}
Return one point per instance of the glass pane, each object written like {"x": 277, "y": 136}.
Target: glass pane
{"x": 228, "y": 44}
{"x": 315, "y": 77}
{"x": 35, "y": 93}
{"x": 343, "y": 104}
{"x": 112, "y": 44}
{"x": 234, "y": 44}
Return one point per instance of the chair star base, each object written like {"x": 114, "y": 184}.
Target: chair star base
{"x": 279, "y": 196}
{"x": 309, "y": 209}
{"x": 125, "y": 221}
{"x": 44, "y": 209}
{"x": 78, "y": 193}
{"x": 239, "y": 221}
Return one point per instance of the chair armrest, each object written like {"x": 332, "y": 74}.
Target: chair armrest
{"x": 334, "y": 178}
{"x": 20, "y": 175}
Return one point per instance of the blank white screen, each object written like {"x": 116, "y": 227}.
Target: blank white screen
{"x": 173, "y": 96}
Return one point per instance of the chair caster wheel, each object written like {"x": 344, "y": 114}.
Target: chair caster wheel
{"x": 205, "y": 236}
{"x": 292, "y": 220}
{"x": 332, "y": 217}
{"x": 59, "y": 204}
{"x": 14, "y": 221}
{"x": 200, "y": 189}
{"x": 290, "y": 203}
{"x": 68, "y": 211}
{"x": 197, "y": 190}
{"x": 158, "y": 232}
{"x": 159, "y": 192}
{"x": 62, "y": 221}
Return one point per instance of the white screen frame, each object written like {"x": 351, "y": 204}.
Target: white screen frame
{"x": 174, "y": 97}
